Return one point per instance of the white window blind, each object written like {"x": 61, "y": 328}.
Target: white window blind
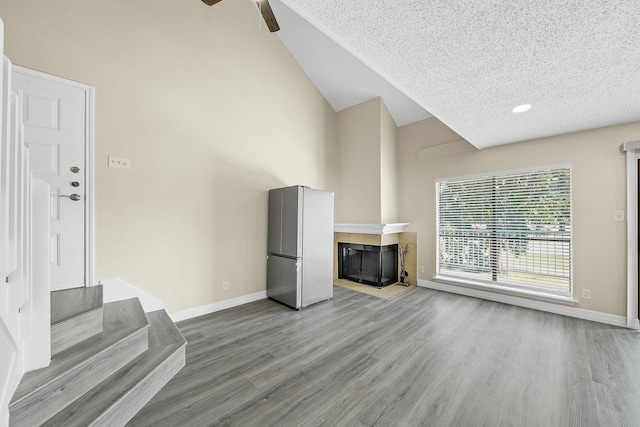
{"x": 510, "y": 229}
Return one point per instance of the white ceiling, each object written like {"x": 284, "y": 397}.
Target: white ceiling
{"x": 469, "y": 62}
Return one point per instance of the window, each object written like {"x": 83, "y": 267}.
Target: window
{"x": 507, "y": 229}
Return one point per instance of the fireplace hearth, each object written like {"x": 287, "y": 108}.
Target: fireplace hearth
{"x": 368, "y": 264}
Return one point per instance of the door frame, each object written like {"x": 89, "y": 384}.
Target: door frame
{"x": 89, "y": 138}
{"x": 632, "y": 150}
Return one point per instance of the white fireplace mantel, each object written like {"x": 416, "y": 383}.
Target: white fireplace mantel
{"x": 370, "y": 228}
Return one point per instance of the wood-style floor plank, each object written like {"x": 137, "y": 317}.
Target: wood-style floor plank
{"x": 424, "y": 358}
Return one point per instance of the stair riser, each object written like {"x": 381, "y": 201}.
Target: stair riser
{"x": 70, "y": 332}
{"x": 38, "y": 407}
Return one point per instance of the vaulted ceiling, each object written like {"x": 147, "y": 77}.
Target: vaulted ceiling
{"x": 470, "y": 62}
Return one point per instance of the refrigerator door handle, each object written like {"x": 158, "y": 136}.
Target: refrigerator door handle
{"x": 282, "y": 256}
{"x": 298, "y": 265}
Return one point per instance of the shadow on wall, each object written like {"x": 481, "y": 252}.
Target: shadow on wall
{"x": 239, "y": 229}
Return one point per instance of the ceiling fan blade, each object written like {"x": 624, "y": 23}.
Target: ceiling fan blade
{"x": 267, "y": 14}
{"x": 210, "y": 2}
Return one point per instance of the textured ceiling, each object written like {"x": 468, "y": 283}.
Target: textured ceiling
{"x": 343, "y": 79}
{"x": 469, "y": 62}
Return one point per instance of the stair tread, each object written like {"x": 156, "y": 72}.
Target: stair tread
{"x": 115, "y": 330}
{"x": 124, "y": 314}
{"x": 118, "y": 387}
{"x": 113, "y": 389}
{"x": 69, "y": 303}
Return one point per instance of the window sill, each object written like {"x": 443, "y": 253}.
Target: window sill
{"x": 567, "y": 300}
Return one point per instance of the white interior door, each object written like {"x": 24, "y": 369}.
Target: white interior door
{"x": 54, "y": 116}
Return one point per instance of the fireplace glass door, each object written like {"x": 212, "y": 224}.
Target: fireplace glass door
{"x": 368, "y": 264}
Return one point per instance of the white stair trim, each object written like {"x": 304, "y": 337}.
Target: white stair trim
{"x": 117, "y": 290}
{"x": 9, "y": 376}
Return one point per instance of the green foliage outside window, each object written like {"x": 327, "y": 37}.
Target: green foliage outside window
{"x": 505, "y": 225}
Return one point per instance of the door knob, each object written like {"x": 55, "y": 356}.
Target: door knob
{"x": 74, "y": 169}
{"x": 74, "y": 197}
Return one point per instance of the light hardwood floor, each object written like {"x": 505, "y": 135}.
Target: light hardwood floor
{"x": 424, "y": 358}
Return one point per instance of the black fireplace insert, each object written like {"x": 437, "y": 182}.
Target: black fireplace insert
{"x": 368, "y": 264}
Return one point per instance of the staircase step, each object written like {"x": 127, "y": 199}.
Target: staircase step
{"x": 81, "y": 367}
{"x": 76, "y": 314}
{"x": 119, "y": 397}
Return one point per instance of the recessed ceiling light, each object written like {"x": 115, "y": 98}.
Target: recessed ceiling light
{"x": 521, "y": 108}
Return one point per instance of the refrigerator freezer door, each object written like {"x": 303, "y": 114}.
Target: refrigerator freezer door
{"x": 317, "y": 268}
{"x": 292, "y": 221}
{"x": 284, "y": 280}
{"x": 274, "y": 237}
{"x": 285, "y": 221}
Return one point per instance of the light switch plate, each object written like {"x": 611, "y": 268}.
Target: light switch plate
{"x": 119, "y": 162}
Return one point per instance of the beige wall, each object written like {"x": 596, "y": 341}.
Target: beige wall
{"x": 212, "y": 110}
{"x": 598, "y": 170}
{"x": 388, "y": 168}
{"x": 367, "y": 165}
{"x": 358, "y": 200}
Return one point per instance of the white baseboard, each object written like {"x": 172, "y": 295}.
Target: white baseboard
{"x": 634, "y": 324}
{"x": 118, "y": 290}
{"x": 217, "y": 306}
{"x": 580, "y": 313}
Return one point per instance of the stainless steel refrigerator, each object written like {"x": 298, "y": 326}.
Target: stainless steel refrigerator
{"x": 300, "y": 248}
